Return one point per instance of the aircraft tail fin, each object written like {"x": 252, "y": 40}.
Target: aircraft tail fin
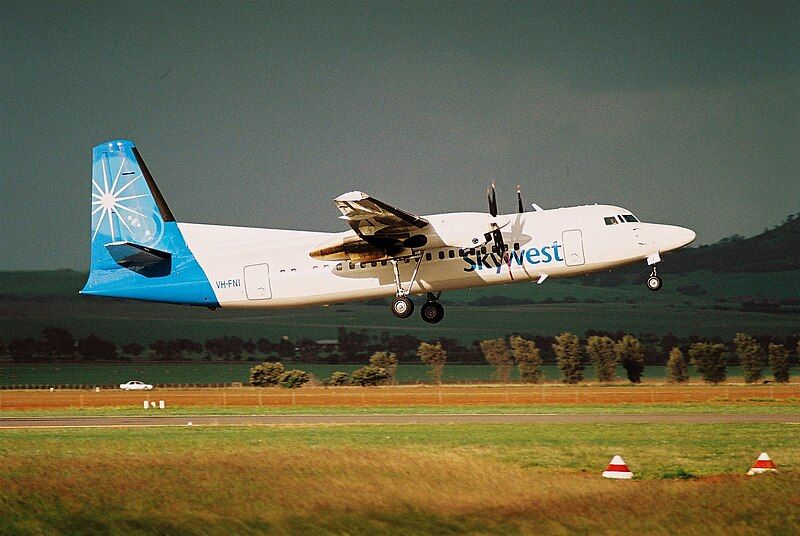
{"x": 136, "y": 244}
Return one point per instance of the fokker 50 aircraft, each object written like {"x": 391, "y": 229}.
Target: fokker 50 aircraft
{"x": 139, "y": 251}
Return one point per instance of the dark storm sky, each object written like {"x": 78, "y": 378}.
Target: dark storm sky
{"x": 258, "y": 114}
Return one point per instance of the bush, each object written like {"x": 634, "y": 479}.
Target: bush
{"x": 710, "y": 361}
{"x": 369, "y": 375}
{"x": 630, "y": 354}
{"x": 498, "y": 355}
{"x": 601, "y": 351}
{"x": 779, "y": 362}
{"x": 266, "y": 374}
{"x": 528, "y": 359}
{"x": 292, "y": 379}
{"x": 388, "y": 361}
{"x": 676, "y": 367}
{"x": 435, "y": 357}
{"x": 339, "y": 378}
{"x": 751, "y": 357}
{"x": 568, "y": 356}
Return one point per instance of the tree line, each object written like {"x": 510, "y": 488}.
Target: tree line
{"x": 527, "y": 353}
{"x": 572, "y": 358}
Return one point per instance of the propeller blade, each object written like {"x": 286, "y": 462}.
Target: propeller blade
{"x": 520, "y": 206}
{"x": 492, "y": 195}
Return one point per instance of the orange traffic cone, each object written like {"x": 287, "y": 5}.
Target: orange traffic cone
{"x": 763, "y": 465}
{"x": 617, "y": 469}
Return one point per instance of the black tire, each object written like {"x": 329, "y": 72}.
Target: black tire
{"x": 432, "y": 312}
{"x": 402, "y": 307}
{"x": 654, "y": 283}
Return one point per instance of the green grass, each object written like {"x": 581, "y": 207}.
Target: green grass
{"x": 450, "y": 479}
{"x": 788, "y": 407}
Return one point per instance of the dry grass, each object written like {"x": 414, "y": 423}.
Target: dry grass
{"x": 358, "y": 480}
{"x": 424, "y": 395}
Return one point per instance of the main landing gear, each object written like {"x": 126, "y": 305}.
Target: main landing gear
{"x": 432, "y": 312}
{"x": 402, "y": 307}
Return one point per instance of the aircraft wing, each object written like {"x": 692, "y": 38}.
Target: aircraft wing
{"x": 377, "y": 223}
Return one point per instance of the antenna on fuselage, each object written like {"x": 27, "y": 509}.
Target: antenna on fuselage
{"x": 520, "y": 206}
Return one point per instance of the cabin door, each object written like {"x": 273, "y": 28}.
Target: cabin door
{"x": 256, "y": 282}
{"x": 573, "y": 247}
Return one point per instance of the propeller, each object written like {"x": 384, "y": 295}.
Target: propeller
{"x": 492, "y": 195}
{"x": 494, "y": 233}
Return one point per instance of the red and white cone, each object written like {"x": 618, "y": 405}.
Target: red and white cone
{"x": 617, "y": 469}
{"x": 764, "y": 464}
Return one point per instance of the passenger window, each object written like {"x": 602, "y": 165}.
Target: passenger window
{"x": 352, "y": 266}
{"x": 427, "y": 256}
{"x": 461, "y": 253}
{"x": 483, "y": 250}
{"x": 451, "y": 254}
{"x": 611, "y": 220}
{"x": 406, "y": 260}
{"x": 516, "y": 246}
{"x": 339, "y": 266}
{"x": 441, "y": 255}
{"x": 383, "y": 263}
{"x": 363, "y": 264}
{"x": 472, "y": 251}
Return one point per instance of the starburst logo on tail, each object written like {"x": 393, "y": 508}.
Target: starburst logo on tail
{"x": 116, "y": 211}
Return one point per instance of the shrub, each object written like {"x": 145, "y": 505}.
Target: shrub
{"x": 630, "y": 353}
{"x": 339, "y": 378}
{"x": 497, "y": 354}
{"x": 710, "y": 361}
{"x": 292, "y": 379}
{"x": 435, "y": 357}
{"x": 388, "y": 361}
{"x": 266, "y": 374}
{"x": 528, "y": 359}
{"x": 751, "y": 357}
{"x": 676, "y": 367}
{"x": 779, "y": 362}
{"x": 568, "y": 356}
{"x": 369, "y": 375}
{"x": 601, "y": 351}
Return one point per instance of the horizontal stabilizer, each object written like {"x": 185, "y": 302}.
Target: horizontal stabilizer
{"x": 143, "y": 260}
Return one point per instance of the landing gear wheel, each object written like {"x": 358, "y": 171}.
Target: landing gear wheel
{"x": 654, "y": 283}
{"x": 432, "y": 312}
{"x": 402, "y": 307}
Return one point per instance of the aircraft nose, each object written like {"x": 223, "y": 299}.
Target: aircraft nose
{"x": 671, "y": 237}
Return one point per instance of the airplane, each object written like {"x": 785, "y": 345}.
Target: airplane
{"x": 139, "y": 251}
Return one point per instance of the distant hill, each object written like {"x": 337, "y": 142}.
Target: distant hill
{"x": 774, "y": 250}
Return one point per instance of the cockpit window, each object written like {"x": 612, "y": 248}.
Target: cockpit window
{"x": 611, "y": 220}
{"x": 631, "y": 218}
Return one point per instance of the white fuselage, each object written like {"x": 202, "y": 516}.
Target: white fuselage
{"x": 267, "y": 268}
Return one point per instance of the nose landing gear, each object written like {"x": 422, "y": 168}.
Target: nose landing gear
{"x": 654, "y": 282}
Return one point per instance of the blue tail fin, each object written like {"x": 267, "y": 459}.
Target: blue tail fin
{"x": 137, "y": 249}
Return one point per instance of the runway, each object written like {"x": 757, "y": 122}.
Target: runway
{"x": 388, "y": 419}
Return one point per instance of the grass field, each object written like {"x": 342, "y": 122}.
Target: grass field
{"x": 188, "y": 373}
{"x": 451, "y": 479}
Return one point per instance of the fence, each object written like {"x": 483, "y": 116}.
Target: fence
{"x": 398, "y": 396}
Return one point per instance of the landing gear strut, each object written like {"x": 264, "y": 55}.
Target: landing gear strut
{"x": 432, "y": 312}
{"x": 402, "y": 306}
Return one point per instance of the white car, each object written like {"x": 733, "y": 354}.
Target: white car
{"x": 135, "y": 386}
